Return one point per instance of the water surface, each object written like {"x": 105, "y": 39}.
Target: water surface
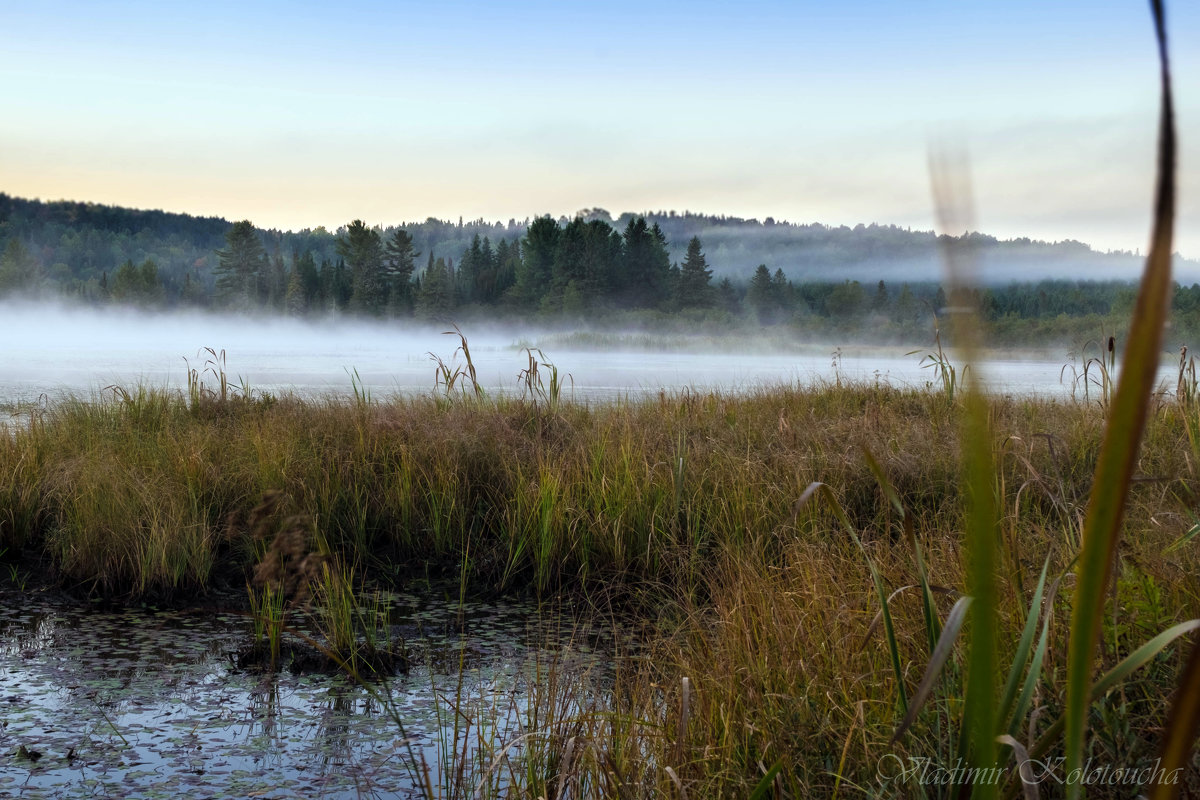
{"x": 148, "y": 703}
{"x": 49, "y": 352}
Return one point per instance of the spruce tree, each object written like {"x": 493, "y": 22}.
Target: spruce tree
{"x": 362, "y": 250}
{"x": 239, "y": 266}
{"x": 399, "y": 260}
{"x": 537, "y": 260}
{"x": 760, "y": 297}
{"x": 435, "y": 299}
{"x": 695, "y": 278}
{"x": 646, "y": 267}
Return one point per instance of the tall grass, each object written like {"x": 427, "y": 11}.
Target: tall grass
{"x": 679, "y": 508}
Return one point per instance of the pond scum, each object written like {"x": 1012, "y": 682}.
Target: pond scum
{"x": 848, "y": 589}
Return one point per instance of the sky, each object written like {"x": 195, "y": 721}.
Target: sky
{"x": 298, "y": 115}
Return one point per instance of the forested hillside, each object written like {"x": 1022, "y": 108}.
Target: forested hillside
{"x": 877, "y": 280}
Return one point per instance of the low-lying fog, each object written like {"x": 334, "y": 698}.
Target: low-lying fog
{"x": 51, "y": 350}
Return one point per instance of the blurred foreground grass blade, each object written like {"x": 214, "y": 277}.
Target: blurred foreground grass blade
{"x": 1182, "y": 726}
{"x": 981, "y": 535}
{"x": 1123, "y": 433}
{"x": 977, "y": 736}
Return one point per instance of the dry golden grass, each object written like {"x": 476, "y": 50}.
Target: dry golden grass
{"x": 681, "y": 508}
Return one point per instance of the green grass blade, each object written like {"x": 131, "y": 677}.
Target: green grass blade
{"x": 884, "y": 484}
{"x": 1130, "y": 664}
{"x": 1140, "y": 657}
{"x": 977, "y": 743}
{"x": 1035, "y": 667}
{"x": 1187, "y": 537}
{"x": 945, "y": 646}
{"x": 1009, "y": 696}
{"x": 763, "y": 788}
{"x": 1126, "y": 422}
{"x": 981, "y": 536}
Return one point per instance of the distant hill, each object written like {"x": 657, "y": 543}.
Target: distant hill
{"x": 871, "y": 252}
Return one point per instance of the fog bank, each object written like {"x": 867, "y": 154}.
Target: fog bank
{"x": 50, "y": 350}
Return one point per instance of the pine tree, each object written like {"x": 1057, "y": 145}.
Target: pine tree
{"x": 695, "y": 278}
{"x": 845, "y": 301}
{"x": 276, "y": 282}
{"x": 727, "y": 297}
{"x": 587, "y": 259}
{"x": 469, "y": 268}
{"x": 399, "y": 260}
{"x": 136, "y": 285}
{"x": 304, "y": 269}
{"x": 537, "y": 261}
{"x": 940, "y": 302}
{"x": 508, "y": 259}
{"x": 362, "y": 250}
{"x": 907, "y": 310}
{"x": 294, "y": 301}
{"x": 880, "y": 303}
{"x": 239, "y": 266}
{"x": 760, "y": 297}
{"x": 192, "y": 293}
{"x": 436, "y": 297}
{"x": 646, "y": 266}
{"x": 485, "y": 275}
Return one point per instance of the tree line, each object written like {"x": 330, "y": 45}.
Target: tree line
{"x": 590, "y": 266}
{"x": 581, "y": 268}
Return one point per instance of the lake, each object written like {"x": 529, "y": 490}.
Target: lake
{"x": 49, "y": 351}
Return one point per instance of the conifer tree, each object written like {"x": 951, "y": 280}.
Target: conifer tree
{"x": 239, "y": 266}
{"x": 436, "y": 298}
{"x": 695, "y": 278}
{"x": 362, "y": 250}
{"x": 399, "y": 260}
{"x": 760, "y": 297}
{"x": 537, "y": 261}
{"x": 646, "y": 266}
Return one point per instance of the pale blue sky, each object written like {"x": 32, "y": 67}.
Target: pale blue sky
{"x": 303, "y": 114}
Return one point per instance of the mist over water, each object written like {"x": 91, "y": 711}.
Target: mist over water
{"x": 53, "y": 350}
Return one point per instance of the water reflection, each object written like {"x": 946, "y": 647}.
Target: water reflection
{"x": 144, "y": 702}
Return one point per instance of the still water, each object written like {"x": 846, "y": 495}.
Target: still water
{"x": 47, "y": 351}
{"x": 149, "y": 703}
